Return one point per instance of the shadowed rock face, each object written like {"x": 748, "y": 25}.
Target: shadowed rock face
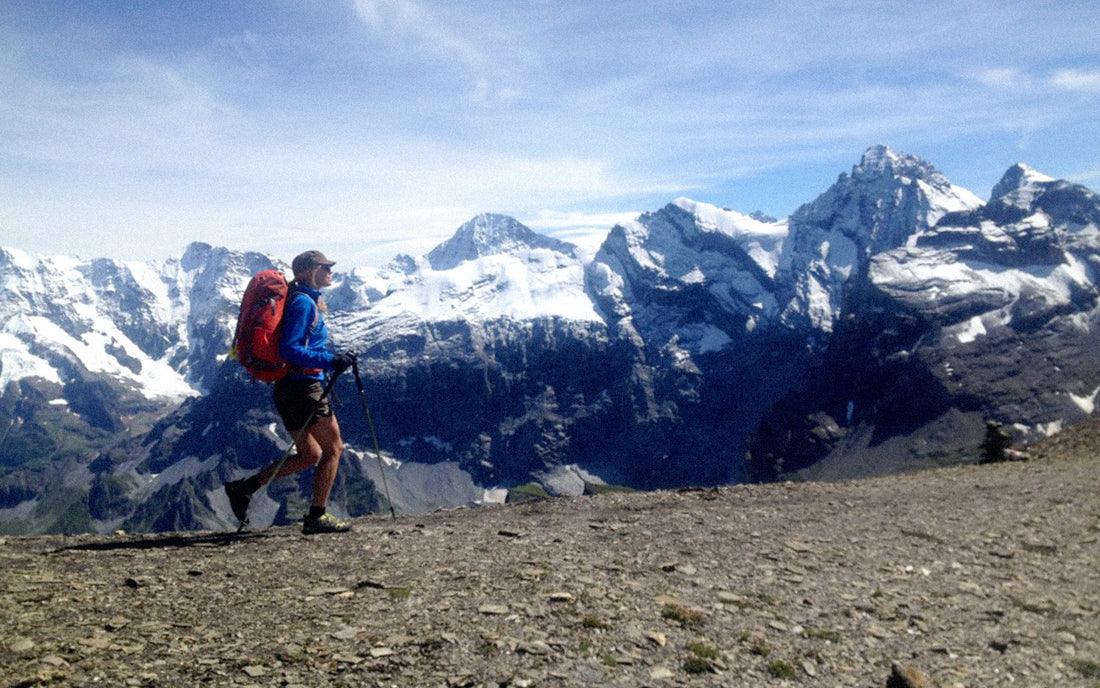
{"x": 969, "y": 575}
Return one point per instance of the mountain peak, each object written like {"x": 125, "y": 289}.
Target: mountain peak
{"x": 879, "y": 155}
{"x": 1018, "y": 177}
{"x": 882, "y": 160}
{"x": 490, "y": 234}
{"x": 888, "y": 197}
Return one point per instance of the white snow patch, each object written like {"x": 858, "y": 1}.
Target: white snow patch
{"x": 763, "y": 241}
{"x": 819, "y": 305}
{"x": 1052, "y": 428}
{"x": 1086, "y": 403}
{"x": 531, "y": 284}
{"x": 957, "y": 200}
{"x": 156, "y": 378}
{"x": 703, "y": 338}
{"x": 971, "y": 330}
{"x": 694, "y": 276}
{"x": 495, "y": 495}
{"x": 17, "y": 362}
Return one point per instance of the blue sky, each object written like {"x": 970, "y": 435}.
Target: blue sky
{"x": 372, "y": 127}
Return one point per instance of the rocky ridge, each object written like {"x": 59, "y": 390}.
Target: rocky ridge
{"x": 967, "y": 576}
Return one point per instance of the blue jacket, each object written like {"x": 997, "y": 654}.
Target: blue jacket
{"x": 304, "y": 341}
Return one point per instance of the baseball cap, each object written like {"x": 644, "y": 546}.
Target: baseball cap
{"x": 309, "y": 260}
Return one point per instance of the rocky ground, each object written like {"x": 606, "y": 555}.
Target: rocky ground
{"x": 976, "y": 576}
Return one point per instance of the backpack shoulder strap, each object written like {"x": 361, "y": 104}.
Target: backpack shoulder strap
{"x": 295, "y": 291}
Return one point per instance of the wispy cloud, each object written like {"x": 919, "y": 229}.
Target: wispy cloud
{"x": 1003, "y": 78}
{"x": 414, "y": 24}
{"x": 1077, "y": 80}
{"x": 1013, "y": 79}
{"x": 397, "y": 119}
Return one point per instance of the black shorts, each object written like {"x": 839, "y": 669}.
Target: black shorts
{"x": 297, "y": 403}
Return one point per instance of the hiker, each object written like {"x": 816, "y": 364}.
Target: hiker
{"x": 298, "y": 398}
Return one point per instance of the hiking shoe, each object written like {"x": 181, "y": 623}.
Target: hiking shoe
{"x": 239, "y": 498}
{"x": 326, "y": 523}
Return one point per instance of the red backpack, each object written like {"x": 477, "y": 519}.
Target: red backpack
{"x": 260, "y": 326}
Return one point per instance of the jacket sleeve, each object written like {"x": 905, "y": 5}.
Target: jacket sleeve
{"x": 298, "y": 344}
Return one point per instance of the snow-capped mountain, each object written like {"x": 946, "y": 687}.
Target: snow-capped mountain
{"x": 877, "y": 328}
{"x": 147, "y": 327}
{"x": 488, "y": 235}
{"x": 886, "y": 201}
{"x": 987, "y": 315}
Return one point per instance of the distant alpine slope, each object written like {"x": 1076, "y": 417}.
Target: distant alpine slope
{"x": 877, "y": 329}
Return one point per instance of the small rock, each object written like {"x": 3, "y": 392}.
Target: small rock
{"x": 533, "y": 648}
{"x": 96, "y": 643}
{"x": 347, "y": 659}
{"x": 1041, "y": 547}
{"x": 800, "y": 547}
{"x": 726, "y": 597}
{"x": 493, "y": 609}
{"x": 659, "y": 639}
{"x": 21, "y": 645}
{"x": 346, "y": 633}
{"x": 876, "y": 631}
{"x": 254, "y": 670}
{"x": 906, "y": 677}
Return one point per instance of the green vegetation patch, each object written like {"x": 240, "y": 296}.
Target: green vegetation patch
{"x": 1086, "y": 668}
{"x": 685, "y": 616}
{"x": 703, "y": 651}
{"x": 698, "y": 665}
{"x": 782, "y": 670}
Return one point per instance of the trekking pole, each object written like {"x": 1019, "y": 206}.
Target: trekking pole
{"x": 373, "y": 436}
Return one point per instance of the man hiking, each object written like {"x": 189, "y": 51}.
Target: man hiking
{"x": 300, "y": 400}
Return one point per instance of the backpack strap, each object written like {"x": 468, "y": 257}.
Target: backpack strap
{"x": 294, "y": 291}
